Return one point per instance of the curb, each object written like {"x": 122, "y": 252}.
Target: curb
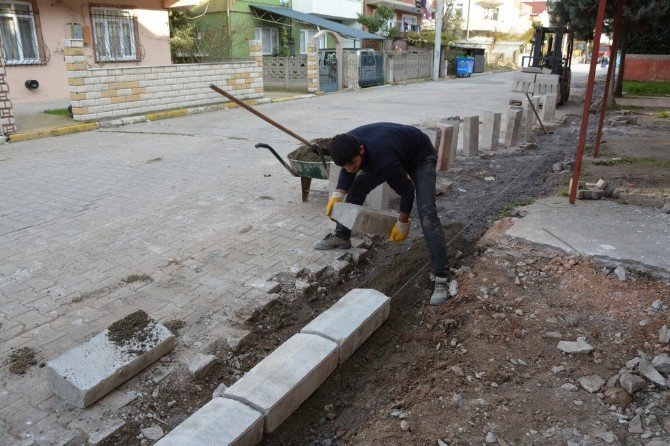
{"x": 273, "y": 389}
{"x": 156, "y": 116}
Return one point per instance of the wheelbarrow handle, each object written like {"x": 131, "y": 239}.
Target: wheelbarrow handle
{"x": 316, "y": 148}
{"x": 262, "y": 145}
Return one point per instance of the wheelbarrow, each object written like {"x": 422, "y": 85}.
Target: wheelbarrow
{"x": 306, "y": 170}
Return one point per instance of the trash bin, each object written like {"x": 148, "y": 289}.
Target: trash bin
{"x": 465, "y": 66}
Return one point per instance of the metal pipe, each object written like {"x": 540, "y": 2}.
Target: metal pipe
{"x": 587, "y": 101}
{"x": 610, "y": 74}
{"x": 260, "y": 115}
{"x": 530, "y": 103}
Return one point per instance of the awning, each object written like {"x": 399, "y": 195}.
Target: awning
{"x": 310, "y": 19}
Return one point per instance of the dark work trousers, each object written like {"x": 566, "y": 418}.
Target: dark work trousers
{"x": 423, "y": 176}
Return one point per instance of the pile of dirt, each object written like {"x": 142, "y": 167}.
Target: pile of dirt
{"x": 307, "y": 153}
{"x": 21, "y": 359}
{"x": 134, "y": 332}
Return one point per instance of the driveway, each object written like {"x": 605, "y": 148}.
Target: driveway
{"x": 182, "y": 218}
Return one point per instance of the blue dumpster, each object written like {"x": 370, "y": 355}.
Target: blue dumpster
{"x": 465, "y": 66}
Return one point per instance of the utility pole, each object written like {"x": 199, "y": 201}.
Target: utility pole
{"x": 437, "y": 54}
{"x": 467, "y": 24}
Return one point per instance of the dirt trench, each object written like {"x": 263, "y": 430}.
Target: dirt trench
{"x": 482, "y": 365}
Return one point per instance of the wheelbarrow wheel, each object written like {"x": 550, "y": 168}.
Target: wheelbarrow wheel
{"x": 305, "y": 183}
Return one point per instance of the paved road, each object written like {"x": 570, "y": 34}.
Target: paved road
{"x": 186, "y": 204}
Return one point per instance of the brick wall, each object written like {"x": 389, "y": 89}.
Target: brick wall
{"x": 647, "y": 67}
{"x": 7, "y": 122}
{"x": 104, "y": 93}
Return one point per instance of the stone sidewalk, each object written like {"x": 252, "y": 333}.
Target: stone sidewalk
{"x": 182, "y": 218}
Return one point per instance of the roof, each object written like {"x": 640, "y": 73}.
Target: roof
{"x": 537, "y": 7}
{"x": 319, "y": 22}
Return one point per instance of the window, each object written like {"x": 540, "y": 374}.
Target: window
{"x": 491, "y": 13}
{"x": 269, "y": 38}
{"x": 410, "y": 23}
{"x": 114, "y": 35}
{"x": 18, "y": 32}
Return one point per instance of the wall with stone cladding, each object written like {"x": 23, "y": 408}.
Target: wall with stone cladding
{"x": 312, "y": 67}
{"x": 104, "y": 93}
{"x": 7, "y": 122}
{"x": 350, "y": 69}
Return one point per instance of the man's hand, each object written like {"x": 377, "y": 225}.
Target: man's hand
{"x": 337, "y": 197}
{"x": 400, "y": 231}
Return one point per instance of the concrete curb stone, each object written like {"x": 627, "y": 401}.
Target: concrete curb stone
{"x": 352, "y": 320}
{"x": 107, "y": 365}
{"x": 221, "y": 422}
{"x": 278, "y": 384}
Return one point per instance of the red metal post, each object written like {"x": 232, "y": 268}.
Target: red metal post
{"x": 587, "y": 100}
{"x": 610, "y": 74}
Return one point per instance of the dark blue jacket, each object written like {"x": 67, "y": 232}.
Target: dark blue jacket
{"x": 391, "y": 153}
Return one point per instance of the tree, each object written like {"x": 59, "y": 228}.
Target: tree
{"x": 196, "y": 36}
{"x": 380, "y": 22}
{"x": 642, "y": 21}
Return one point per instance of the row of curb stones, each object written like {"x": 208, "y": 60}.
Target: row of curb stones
{"x": 269, "y": 393}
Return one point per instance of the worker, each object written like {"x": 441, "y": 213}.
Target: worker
{"x": 403, "y": 157}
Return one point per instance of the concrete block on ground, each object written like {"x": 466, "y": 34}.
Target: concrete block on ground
{"x": 201, "y": 365}
{"x": 278, "y": 384}
{"x": 471, "y": 136}
{"x": 351, "y": 320}
{"x": 490, "y": 135}
{"x": 362, "y": 219}
{"x": 443, "y": 142}
{"x": 513, "y": 126}
{"x": 221, "y": 422}
{"x": 455, "y": 123}
{"x": 86, "y": 373}
{"x": 530, "y": 117}
{"x": 549, "y": 107}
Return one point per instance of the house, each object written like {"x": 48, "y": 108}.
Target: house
{"x": 408, "y": 13}
{"x": 483, "y": 17}
{"x": 539, "y": 12}
{"x": 134, "y": 33}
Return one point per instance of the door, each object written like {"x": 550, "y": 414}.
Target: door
{"x": 327, "y": 71}
{"x": 371, "y": 69}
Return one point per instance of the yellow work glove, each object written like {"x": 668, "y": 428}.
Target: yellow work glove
{"x": 399, "y": 232}
{"x": 337, "y": 197}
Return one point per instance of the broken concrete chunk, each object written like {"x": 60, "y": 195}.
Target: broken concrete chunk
{"x": 648, "y": 371}
{"x": 589, "y": 194}
{"x": 363, "y": 219}
{"x": 578, "y": 347}
{"x": 591, "y": 383}
{"x": 631, "y": 383}
{"x": 664, "y": 335}
{"x": 86, "y": 373}
{"x": 201, "y": 365}
{"x": 601, "y": 184}
{"x": 635, "y": 425}
{"x": 620, "y": 273}
{"x": 662, "y": 363}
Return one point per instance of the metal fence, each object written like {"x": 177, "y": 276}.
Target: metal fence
{"x": 287, "y": 73}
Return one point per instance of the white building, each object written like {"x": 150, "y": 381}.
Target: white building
{"x": 481, "y": 17}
